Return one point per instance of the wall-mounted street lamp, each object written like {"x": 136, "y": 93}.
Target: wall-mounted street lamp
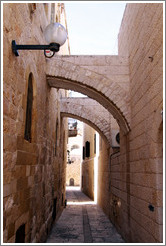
{"x": 55, "y": 35}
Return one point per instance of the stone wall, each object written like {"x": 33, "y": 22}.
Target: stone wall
{"x": 131, "y": 182}
{"x": 88, "y": 162}
{"x": 33, "y": 175}
{"x": 103, "y": 176}
{"x": 141, "y": 39}
{"x": 73, "y": 171}
{"x": 116, "y": 68}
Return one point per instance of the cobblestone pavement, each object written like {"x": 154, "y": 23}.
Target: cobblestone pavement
{"x": 82, "y": 221}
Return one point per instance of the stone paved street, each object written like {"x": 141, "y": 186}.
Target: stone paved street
{"x": 82, "y": 221}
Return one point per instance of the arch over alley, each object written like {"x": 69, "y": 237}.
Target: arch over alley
{"x": 63, "y": 72}
{"x": 90, "y": 112}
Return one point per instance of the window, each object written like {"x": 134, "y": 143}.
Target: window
{"x": 100, "y": 143}
{"x": 28, "y": 121}
{"x": 62, "y": 199}
{"x": 87, "y": 149}
{"x": 94, "y": 143}
{"x": 83, "y": 153}
{"x": 54, "y": 209}
{"x": 56, "y": 136}
{"x": 118, "y": 138}
{"x": 20, "y": 234}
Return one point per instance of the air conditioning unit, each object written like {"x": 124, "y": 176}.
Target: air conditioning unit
{"x": 115, "y": 137}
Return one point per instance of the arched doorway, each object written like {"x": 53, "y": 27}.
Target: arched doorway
{"x": 71, "y": 182}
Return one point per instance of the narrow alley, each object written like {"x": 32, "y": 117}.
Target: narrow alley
{"x": 82, "y": 221}
{"x": 84, "y": 119}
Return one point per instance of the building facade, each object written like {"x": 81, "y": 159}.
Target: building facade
{"x": 33, "y": 165}
{"x": 74, "y": 148}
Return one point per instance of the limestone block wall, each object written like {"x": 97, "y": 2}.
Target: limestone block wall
{"x": 130, "y": 182}
{"x": 33, "y": 175}
{"x": 113, "y": 67}
{"x": 141, "y": 39}
{"x": 88, "y": 162}
{"x": 61, "y": 18}
{"x": 113, "y": 184}
{"x": 73, "y": 171}
{"x": 103, "y": 177}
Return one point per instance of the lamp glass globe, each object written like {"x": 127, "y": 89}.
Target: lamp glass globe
{"x": 55, "y": 33}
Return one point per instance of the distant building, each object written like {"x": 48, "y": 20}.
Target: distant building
{"x": 73, "y": 170}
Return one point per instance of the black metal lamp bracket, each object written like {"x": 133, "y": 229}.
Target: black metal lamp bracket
{"x": 15, "y": 47}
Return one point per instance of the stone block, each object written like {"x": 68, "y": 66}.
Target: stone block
{"x": 24, "y": 195}
{"x": 13, "y": 111}
{"x": 25, "y": 207}
{"x": 147, "y": 224}
{"x": 22, "y": 183}
{"x": 19, "y": 171}
{"x": 6, "y": 124}
{"x": 19, "y": 128}
{"x": 5, "y": 106}
{"x": 138, "y": 233}
{"x": 6, "y": 190}
{"x": 28, "y": 169}
{"x": 26, "y": 158}
{"x": 7, "y": 177}
{"x": 5, "y": 235}
{"x": 9, "y": 143}
{"x": 26, "y": 146}
{"x": 11, "y": 230}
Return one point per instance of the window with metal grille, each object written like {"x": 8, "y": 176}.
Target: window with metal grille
{"x": 28, "y": 121}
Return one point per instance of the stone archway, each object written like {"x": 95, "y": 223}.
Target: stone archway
{"x": 63, "y": 73}
{"x": 90, "y": 112}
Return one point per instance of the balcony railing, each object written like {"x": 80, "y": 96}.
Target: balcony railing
{"x": 72, "y": 133}
{"x": 72, "y": 129}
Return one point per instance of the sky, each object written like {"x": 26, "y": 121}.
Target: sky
{"x": 93, "y": 27}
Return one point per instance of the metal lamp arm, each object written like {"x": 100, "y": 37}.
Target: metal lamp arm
{"x": 15, "y": 47}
